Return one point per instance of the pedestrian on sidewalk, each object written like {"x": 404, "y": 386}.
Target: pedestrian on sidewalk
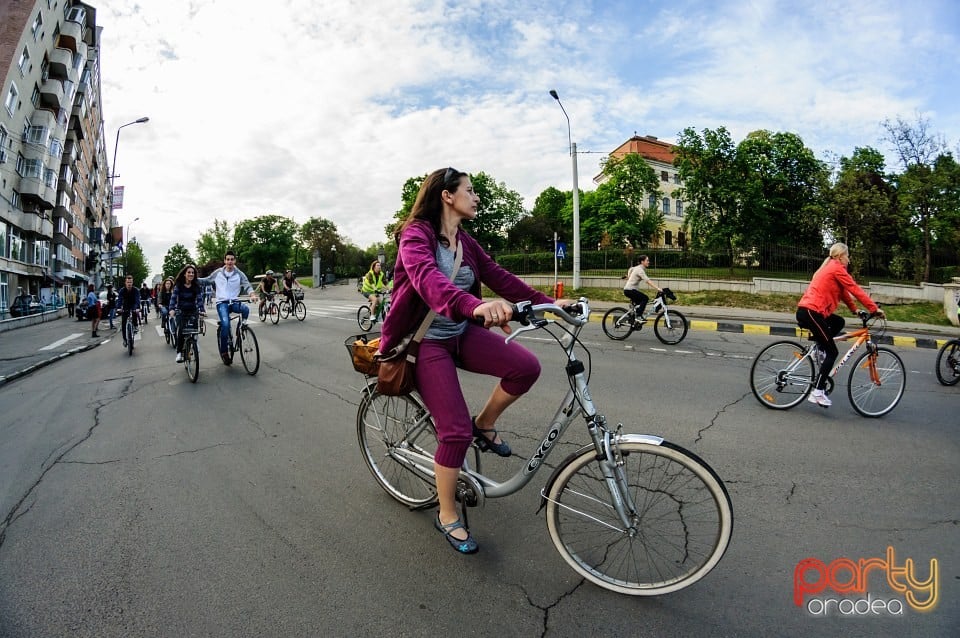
{"x": 111, "y": 305}
{"x": 93, "y": 309}
{"x": 71, "y": 301}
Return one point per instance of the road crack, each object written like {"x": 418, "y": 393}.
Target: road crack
{"x": 717, "y": 416}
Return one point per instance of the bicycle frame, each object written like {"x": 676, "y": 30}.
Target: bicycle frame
{"x": 577, "y": 401}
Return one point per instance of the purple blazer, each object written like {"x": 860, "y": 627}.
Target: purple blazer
{"x": 419, "y": 284}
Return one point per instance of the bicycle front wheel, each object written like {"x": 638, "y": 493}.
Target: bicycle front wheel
{"x": 363, "y": 318}
{"x": 617, "y": 323}
{"x": 285, "y": 309}
{"x": 877, "y": 381}
{"x": 673, "y": 333}
{"x": 191, "y": 359}
{"x": 263, "y": 311}
{"x": 387, "y": 424}
{"x": 780, "y": 377}
{"x": 300, "y": 311}
{"x": 249, "y": 350}
{"x": 130, "y": 337}
{"x": 275, "y": 313}
{"x": 678, "y": 533}
{"x": 948, "y": 363}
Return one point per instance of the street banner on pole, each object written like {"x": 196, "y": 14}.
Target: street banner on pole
{"x": 117, "y": 197}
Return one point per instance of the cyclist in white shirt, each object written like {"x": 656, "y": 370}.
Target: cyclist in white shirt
{"x": 636, "y": 276}
{"x": 229, "y": 282}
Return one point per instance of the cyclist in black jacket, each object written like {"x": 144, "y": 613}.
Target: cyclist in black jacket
{"x": 128, "y": 300}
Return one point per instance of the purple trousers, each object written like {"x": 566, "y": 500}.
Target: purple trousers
{"x": 476, "y": 350}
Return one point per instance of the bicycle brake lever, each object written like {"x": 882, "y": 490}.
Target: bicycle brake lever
{"x": 523, "y": 328}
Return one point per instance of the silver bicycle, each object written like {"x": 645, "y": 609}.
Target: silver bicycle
{"x": 632, "y": 513}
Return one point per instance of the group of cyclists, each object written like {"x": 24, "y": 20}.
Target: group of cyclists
{"x": 182, "y": 299}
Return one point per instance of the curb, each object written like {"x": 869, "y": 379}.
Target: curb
{"x": 795, "y": 332}
{"x": 42, "y": 364}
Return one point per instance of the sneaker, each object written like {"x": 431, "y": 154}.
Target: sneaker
{"x": 179, "y": 357}
{"x": 226, "y": 358}
{"x": 820, "y": 398}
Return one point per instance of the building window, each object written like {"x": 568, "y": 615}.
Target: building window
{"x": 653, "y": 201}
{"x": 679, "y": 208}
{"x": 37, "y": 25}
{"x": 10, "y": 102}
{"x": 15, "y": 201}
{"x": 666, "y": 205}
{"x": 664, "y": 177}
{"x": 56, "y": 147}
{"x": 35, "y": 96}
{"x": 681, "y": 239}
{"x": 3, "y": 240}
{"x": 676, "y": 178}
{"x": 668, "y": 238}
{"x": 24, "y": 61}
{"x": 38, "y": 135}
{"x": 76, "y": 14}
{"x": 16, "y": 245}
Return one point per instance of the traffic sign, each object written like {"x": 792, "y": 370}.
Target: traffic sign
{"x": 561, "y": 250}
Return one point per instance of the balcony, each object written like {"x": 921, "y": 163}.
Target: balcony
{"x": 60, "y": 61}
{"x": 33, "y": 192}
{"x": 51, "y": 94}
{"x": 44, "y": 118}
{"x": 71, "y": 33}
{"x": 34, "y": 224}
{"x": 76, "y": 126}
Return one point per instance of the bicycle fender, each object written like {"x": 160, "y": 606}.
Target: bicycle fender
{"x": 589, "y": 449}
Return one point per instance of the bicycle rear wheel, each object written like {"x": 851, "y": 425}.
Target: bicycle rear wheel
{"x": 948, "y": 363}
{"x": 675, "y": 332}
{"x": 877, "y": 381}
{"x": 363, "y": 318}
{"x": 779, "y": 378}
{"x": 679, "y": 532}
{"x": 617, "y": 323}
{"x": 191, "y": 359}
{"x": 386, "y": 424}
{"x": 300, "y": 311}
{"x": 249, "y": 350}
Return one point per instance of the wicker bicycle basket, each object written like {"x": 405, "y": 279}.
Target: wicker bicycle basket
{"x": 362, "y": 348}
{"x": 298, "y": 295}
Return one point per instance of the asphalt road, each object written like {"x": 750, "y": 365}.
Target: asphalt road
{"x": 135, "y": 503}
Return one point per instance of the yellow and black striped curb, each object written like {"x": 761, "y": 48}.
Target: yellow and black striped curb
{"x": 798, "y": 333}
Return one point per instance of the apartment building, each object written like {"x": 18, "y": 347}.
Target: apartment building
{"x": 54, "y": 186}
{"x": 659, "y": 155}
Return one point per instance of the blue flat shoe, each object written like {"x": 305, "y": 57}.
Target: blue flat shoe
{"x": 464, "y": 546}
{"x": 487, "y": 445}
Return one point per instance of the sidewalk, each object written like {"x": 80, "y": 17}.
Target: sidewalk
{"x": 26, "y": 349}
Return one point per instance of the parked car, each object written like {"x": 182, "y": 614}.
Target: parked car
{"x": 24, "y": 305}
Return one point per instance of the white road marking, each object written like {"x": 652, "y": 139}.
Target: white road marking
{"x": 56, "y": 344}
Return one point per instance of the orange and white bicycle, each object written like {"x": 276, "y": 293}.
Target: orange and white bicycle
{"x": 784, "y": 373}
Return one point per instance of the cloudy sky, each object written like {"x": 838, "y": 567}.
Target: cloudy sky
{"x": 325, "y": 107}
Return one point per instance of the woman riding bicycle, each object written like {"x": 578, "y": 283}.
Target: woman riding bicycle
{"x": 163, "y": 298}
{"x": 830, "y": 285}
{"x": 186, "y": 302}
{"x": 266, "y": 287}
{"x": 424, "y": 279}
{"x": 373, "y": 283}
{"x": 631, "y": 289}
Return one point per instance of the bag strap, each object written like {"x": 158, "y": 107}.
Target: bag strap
{"x": 425, "y": 324}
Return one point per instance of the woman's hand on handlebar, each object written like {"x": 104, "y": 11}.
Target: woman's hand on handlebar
{"x": 494, "y": 313}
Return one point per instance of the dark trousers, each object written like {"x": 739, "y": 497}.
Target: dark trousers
{"x": 822, "y": 329}
{"x": 637, "y": 298}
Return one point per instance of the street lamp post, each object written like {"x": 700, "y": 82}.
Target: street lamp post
{"x": 126, "y": 259}
{"x": 576, "y": 197}
{"x": 113, "y": 169}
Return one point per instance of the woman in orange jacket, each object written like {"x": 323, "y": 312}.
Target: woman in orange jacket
{"x": 830, "y": 285}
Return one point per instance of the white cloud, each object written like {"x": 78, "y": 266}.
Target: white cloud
{"x": 325, "y": 109}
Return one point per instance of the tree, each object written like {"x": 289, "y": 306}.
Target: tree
{"x": 919, "y": 186}
{"x": 321, "y": 235}
{"x": 134, "y": 263}
{"x": 621, "y": 203}
{"x": 862, "y": 209}
{"x": 711, "y": 174}
{"x": 214, "y": 242}
{"x": 264, "y": 242}
{"x": 782, "y": 191}
{"x": 536, "y": 230}
{"x": 500, "y": 208}
{"x": 177, "y": 257}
